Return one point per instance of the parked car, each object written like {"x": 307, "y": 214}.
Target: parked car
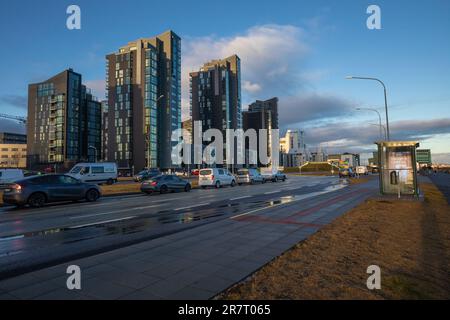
{"x": 279, "y": 176}
{"x": 346, "y": 173}
{"x": 215, "y": 177}
{"x": 267, "y": 173}
{"x": 272, "y": 174}
{"x": 146, "y": 174}
{"x": 164, "y": 184}
{"x": 180, "y": 172}
{"x": 99, "y": 172}
{"x": 250, "y": 176}
{"x": 10, "y": 175}
{"x": 362, "y": 170}
{"x": 39, "y": 190}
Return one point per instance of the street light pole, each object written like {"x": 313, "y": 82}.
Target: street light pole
{"x": 385, "y": 99}
{"x": 379, "y": 118}
{"x": 381, "y": 127}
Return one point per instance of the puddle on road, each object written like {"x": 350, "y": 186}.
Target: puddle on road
{"x": 163, "y": 217}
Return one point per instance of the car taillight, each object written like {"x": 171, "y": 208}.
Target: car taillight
{"x": 212, "y": 177}
{"x": 154, "y": 183}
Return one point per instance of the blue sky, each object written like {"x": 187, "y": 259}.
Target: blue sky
{"x": 325, "y": 41}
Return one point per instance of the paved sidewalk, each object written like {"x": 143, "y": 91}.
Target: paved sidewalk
{"x": 195, "y": 264}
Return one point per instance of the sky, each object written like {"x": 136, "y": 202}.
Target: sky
{"x": 299, "y": 51}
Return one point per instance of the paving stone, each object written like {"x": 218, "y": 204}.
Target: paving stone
{"x": 104, "y": 289}
{"x": 34, "y": 290}
{"x": 191, "y": 293}
{"x": 11, "y": 284}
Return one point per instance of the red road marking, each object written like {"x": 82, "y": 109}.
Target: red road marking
{"x": 303, "y": 213}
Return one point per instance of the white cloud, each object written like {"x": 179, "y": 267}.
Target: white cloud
{"x": 251, "y": 87}
{"x": 270, "y": 56}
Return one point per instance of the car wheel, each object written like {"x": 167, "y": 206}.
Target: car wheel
{"x": 92, "y": 195}
{"x": 110, "y": 182}
{"x": 163, "y": 189}
{"x": 187, "y": 188}
{"x": 37, "y": 200}
{"x": 218, "y": 185}
{"x": 233, "y": 183}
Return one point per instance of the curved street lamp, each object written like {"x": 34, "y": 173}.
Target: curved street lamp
{"x": 385, "y": 98}
{"x": 379, "y": 118}
{"x": 381, "y": 127}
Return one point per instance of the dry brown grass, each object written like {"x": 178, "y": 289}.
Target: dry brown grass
{"x": 117, "y": 189}
{"x": 409, "y": 240}
{"x": 362, "y": 179}
{"x": 120, "y": 188}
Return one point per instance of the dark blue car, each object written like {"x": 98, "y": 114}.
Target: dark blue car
{"x": 36, "y": 191}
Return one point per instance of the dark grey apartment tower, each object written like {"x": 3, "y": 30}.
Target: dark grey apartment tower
{"x": 270, "y": 105}
{"x": 258, "y": 120}
{"x": 216, "y": 94}
{"x": 144, "y": 102}
{"x": 64, "y": 122}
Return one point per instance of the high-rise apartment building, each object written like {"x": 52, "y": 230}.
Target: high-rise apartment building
{"x": 258, "y": 120}
{"x": 216, "y": 94}
{"x": 13, "y": 138}
{"x": 144, "y": 102}
{"x": 270, "y": 105}
{"x": 64, "y": 121}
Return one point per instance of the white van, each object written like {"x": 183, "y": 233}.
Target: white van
{"x": 362, "y": 170}
{"x": 100, "y": 172}
{"x": 215, "y": 177}
{"x": 10, "y": 175}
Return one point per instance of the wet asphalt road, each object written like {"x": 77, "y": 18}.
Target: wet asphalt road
{"x": 36, "y": 238}
{"x": 442, "y": 181}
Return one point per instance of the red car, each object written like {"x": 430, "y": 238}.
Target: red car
{"x": 195, "y": 172}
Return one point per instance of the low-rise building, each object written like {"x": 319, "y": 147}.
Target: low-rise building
{"x": 13, "y": 155}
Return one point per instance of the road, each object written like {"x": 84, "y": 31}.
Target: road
{"x": 442, "y": 181}
{"x": 31, "y": 239}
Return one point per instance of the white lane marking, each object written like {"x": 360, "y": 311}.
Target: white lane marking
{"x": 297, "y": 198}
{"x": 101, "y": 222}
{"x": 12, "y": 238}
{"x": 194, "y": 206}
{"x": 112, "y": 212}
{"x": 272, "y": 192}
{"x": 168, "y": 199}
{"x": 239, "y": 198}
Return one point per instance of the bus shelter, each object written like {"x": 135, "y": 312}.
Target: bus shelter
{"x": 398, "y": 174}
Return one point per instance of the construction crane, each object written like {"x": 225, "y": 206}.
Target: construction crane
{"x": 22, "y": 120}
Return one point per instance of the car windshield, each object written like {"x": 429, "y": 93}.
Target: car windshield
{"x": 205, "y": 172}
{"x": 243, "y": 172}
{"x": 76, "y": 169}
{"x": 142, "y": 172}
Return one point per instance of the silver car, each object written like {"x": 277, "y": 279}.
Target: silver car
{"x": 250, "y": 176}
